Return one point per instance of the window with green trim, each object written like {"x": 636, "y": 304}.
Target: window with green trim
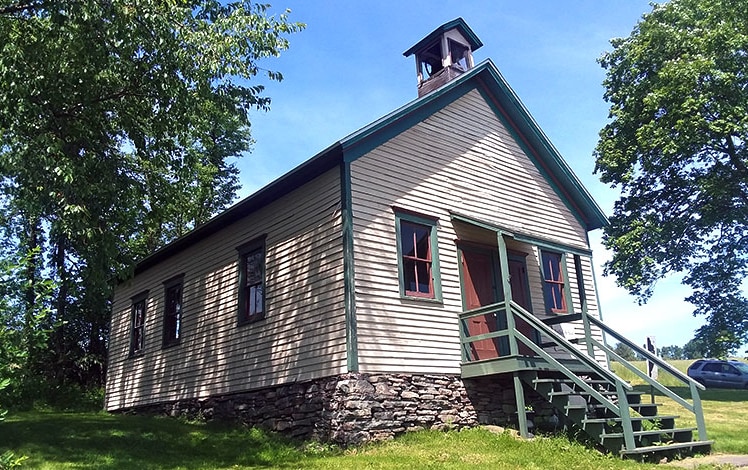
{"x": 554, "y": 284}
{"x": 418, "y": 261}
{"x": 252, "y": 281}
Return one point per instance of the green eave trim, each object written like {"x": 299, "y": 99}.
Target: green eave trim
{"x": 457, "y": 23}
{"x": 520, "y": 237}
{"x": 488, "y": 80}
{"x": 554, "y": 167}
{"x": 380, "y": 131}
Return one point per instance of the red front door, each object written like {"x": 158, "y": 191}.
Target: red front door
{"x": 480, "y": 284}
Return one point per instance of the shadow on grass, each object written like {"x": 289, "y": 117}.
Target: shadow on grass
{"x": 102, "y": 441}
{"x": 711, "y": 394}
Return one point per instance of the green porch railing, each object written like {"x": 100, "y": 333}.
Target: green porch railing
{"x": 693, "y": 386}
{"x": 514, "y": 337}
{"x": 619, "y": 408}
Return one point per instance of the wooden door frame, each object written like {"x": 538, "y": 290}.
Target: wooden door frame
{"x": 495, "y": 267}
{"x": 522, "y": 257}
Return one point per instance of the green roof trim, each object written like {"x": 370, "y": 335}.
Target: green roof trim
{"x": 488, "y": 80}
{"x": 457, "y": 23}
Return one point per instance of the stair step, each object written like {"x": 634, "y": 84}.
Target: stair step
{"x": 706, "y": 445}
{"x": 632, "y": 393}
{"x": 651, "y": 432}
{"x": 633, "y": 418}
{"x": 568, "y": 381}
{"x": 648, "y": 410}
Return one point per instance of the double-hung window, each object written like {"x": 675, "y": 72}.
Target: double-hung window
{"x": 137, "y": 324}
{"x": 172, "y": 311}
{"x": 252, "y": 281}
{"x": 554, "y": 282}
{"x": 418, "y": 261}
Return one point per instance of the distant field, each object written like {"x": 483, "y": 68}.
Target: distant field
{"x": 664, "y": 378}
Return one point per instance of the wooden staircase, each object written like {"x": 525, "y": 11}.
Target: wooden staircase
{"x": 573, "y": 378}
{"x": 652, "y": 435}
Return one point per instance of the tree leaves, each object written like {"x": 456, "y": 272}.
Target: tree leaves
{"x": 117, "y": 123}
{"x": 676, "y": 147}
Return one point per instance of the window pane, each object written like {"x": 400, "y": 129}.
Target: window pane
{"x": 172, "y": 313}
{"x": 554, "y": 296}
{"x": 138, "y": 321}
{"x": 407, "y": 239}
{"x": 423, "y": 273}
{"x": 415, "y": 240}
{"x": 423, "y": 243}
{"x": 254, "y": 300}
{"x": 170, "y": 328}
{"x": 409, "y": 275}
{"x": 254, "y": 268}
{"x": 139, "y": 313}
{"x": 552, "y": 266}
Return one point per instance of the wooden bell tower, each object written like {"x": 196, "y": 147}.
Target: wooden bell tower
{"x": 444, "y": 54}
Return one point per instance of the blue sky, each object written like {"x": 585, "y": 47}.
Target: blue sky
{"x": 346, "y": 69}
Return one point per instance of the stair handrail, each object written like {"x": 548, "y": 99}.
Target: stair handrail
{"x": 569, "y": 374}
{"x": 643, "y": 352}
{"x": 665, "y": 391}
{"x": 568, "y": 346}
{"x": 621, "y": 408}
{"x": 694, "y": 386}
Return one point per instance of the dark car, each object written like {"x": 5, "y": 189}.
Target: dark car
{"x": 718, "y": 373}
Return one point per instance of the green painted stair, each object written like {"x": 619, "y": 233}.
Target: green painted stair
{"x": 653, "y": 436}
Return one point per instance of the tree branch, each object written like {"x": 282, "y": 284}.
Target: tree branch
{"x": 734, "y": 158}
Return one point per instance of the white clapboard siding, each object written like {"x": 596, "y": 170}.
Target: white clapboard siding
{"x": 461, "y": 159}
{"x": 302, "y": 337}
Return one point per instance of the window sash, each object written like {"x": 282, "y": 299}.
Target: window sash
{"x": 418, "y": 262}
{"x": 137, "y": 332}
{"x": 172, "y": 314}
{"x": 252, "y": 291}
{"x": 554, "y": 282}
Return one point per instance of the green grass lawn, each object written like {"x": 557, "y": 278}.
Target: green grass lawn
{"x": 55, "y": 440}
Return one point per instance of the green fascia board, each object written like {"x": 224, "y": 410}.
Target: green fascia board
{"x": 295, "y": 178}
{"x": 521, "y": 237}
{"x": 558, "y": 168}
{"x": 457, "y": 23}
{"x": 485, "y": 77}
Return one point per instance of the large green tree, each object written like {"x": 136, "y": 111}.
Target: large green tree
{"x": 677, "y": 147}
{"x": 119, "y": 123}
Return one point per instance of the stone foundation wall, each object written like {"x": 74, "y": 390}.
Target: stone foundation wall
{"x": 354, "y": 408}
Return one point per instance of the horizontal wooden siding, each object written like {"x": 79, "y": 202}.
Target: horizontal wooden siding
{"x": 302, "y": 336}
{"x": 461, "y": 159}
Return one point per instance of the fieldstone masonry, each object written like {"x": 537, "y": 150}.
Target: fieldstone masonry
{"x": 355, "y": 408}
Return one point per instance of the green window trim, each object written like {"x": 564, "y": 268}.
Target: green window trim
{"x": 255, "y": 252}
{"x": 546, "y": 276}
{"x": 138, "y": 310}
{"x": 173, "y": 311}
{"x": 403, "y": 220}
